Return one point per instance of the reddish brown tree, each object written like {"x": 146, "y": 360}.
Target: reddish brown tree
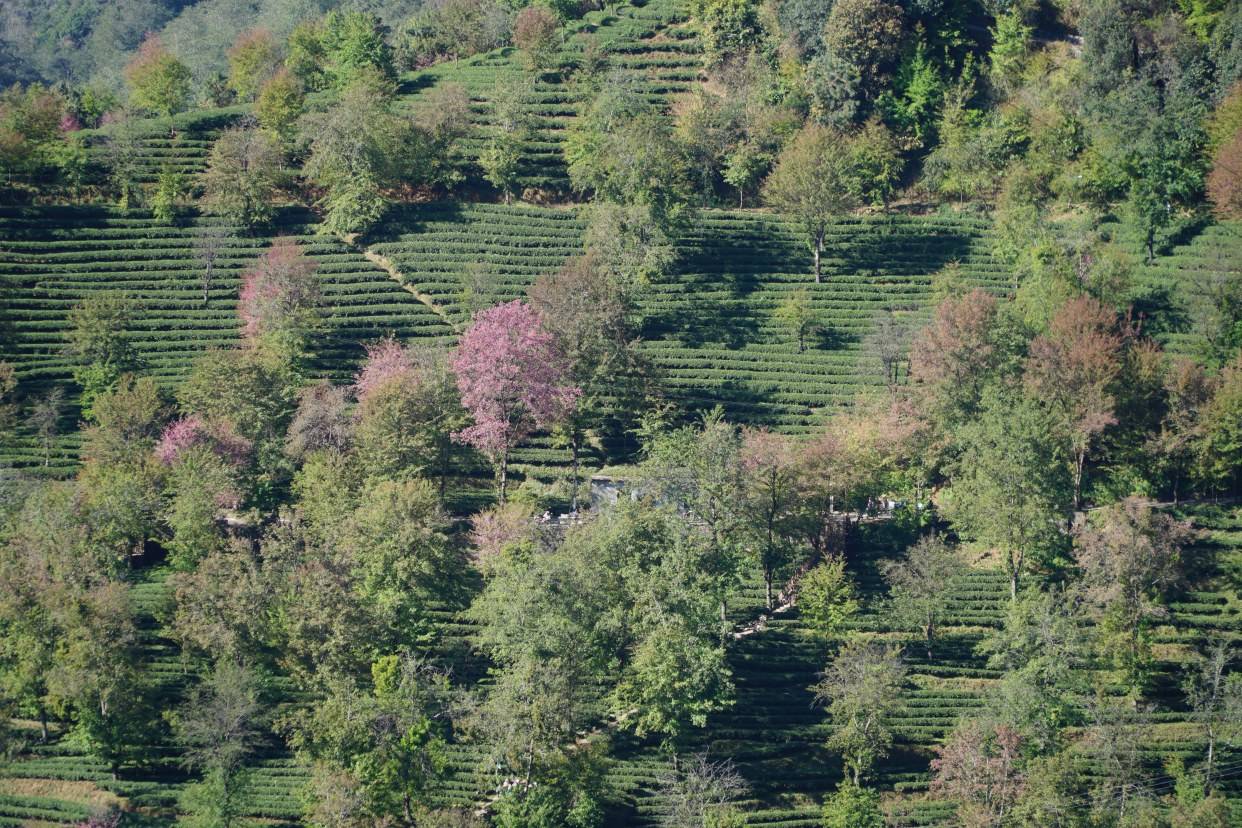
{"x": 952, "y": 356}
{"x": 536, "y": 31}
{"x": 1072, "y": 368}
{"x": 1224, "y": 183}
{"x": 979, "y": 767}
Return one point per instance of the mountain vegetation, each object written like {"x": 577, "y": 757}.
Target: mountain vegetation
{"x": 560, "y": 414}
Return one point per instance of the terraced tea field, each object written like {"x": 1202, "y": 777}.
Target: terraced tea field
{"x": 709, "y": 327}
{"x": 53, "y": 258}
{"x": 645, "y": 46}
{"x": 1182, "y": 286}
{"x": 774, "y": 734}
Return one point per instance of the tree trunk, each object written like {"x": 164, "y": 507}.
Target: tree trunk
{"x": 504, "y": 473}
{"x": 573, "y": 444}
{"x": 1079, "y": 462}
{"x": 1207, "y": 774}
{"x": 767, "y": 584}
{"x": 443, "y": 471}
{"x": 42, "y": 725}
{"x": 819, "y": 247}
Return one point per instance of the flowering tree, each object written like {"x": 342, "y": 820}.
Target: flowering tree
{"x": 512, "y": 379}
{"x": 387, "y": 361}
{"x": 279, "y": 297}
{"x": 189, "y": 432}
{"x": 407, "y": 411}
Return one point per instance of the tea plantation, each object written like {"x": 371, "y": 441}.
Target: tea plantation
{"x": 343, "y": 557}
{"x": 774, "y": 733}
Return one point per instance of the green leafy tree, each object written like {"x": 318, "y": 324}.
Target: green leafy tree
{"x": 253, "y": 60}
{"x": 700, "y": 470}
{"x": 828, "y": 597}
{"x": 219, "y": 726}
{"x": 624, "y": 153}
{"x": 44, "y": 420}
{"x": 356, "y": 46}
{"x": 358, "y": 147}
{"x": 243, "y": 171}
{"x": 675, "y": 680}
{"x": 256, "y": 396}
{"x": 198, "y": 486}
{"x": 730, "y": 27}
{"x": 170, "y": 189}
{"x": 860, "y": 687}
{"x": 388, "y": 744}
{"x": 1039, "y": 651}
{"x": 745, "y": 167}
{"x": 408, "y": 409}
{"x": 865, "y": 35}
{"x": 921, "y": 584}
{"x": 502, "y": 157}
{"x": 1011, "y": 489}
{"x": 629, "y": 243}
{"x": 157, "y": 80}
{"x": 96, "y": 675}
{"x": 1216, "y": 696}
{"x": 123, "y": 153}
{"x": 500, "y": 161}
{"x": 812, "y": 184}
{"x": 306, "y": 56}
{"x": 796, "y": 314}
{"x": 1011, "y": 43}
{"x": 1220, "y": 446}
{"x": 280, "y": 102}
{"x": 853, "y": 806}
{"x": 570, "y": 793}
{"x": 99, "y": 344}
{"x": 588, "y": 313}
{"x": 876, "y": 164}
{"x": 770, "y": 494}
{"x": 1052, "y": 794}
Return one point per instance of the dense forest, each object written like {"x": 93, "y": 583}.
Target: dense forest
{"x": 728, "y": 413}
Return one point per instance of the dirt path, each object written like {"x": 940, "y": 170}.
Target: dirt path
{"x": 388, "y": 266}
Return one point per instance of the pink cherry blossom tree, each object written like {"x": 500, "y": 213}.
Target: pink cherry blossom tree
{"x": 387, "y": 361}
{"x": 280, "y": 297}
{"x": 189, "y": 432}
{"x": 513, "y": 379}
